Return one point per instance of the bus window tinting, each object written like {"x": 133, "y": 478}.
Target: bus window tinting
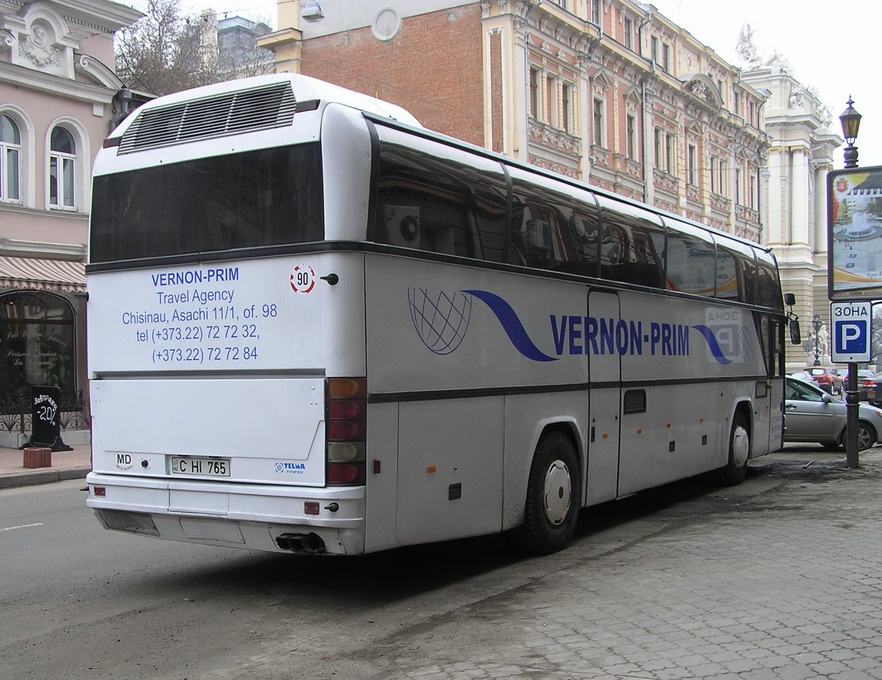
{"x": 259, "y": 198}
{"x": 439, "y": 205}
{"x": 434, "y": 204}
{"x": 551, "y": 231}
{"x": 691, "y": 264}
{"x": 768, "y": 289}
{"x": 632, "y": 249}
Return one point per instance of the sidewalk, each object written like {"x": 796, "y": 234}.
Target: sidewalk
{"x": 65, "y": 465}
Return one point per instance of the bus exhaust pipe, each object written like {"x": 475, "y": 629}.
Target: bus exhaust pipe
{"x": 301, "y": 544}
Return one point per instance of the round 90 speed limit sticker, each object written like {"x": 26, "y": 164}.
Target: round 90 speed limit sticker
{"x": 302, "y": 279}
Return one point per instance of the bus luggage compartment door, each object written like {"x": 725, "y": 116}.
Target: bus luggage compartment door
{"x": 223, "y": 429}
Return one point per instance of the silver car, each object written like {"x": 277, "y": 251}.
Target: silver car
{"x": 812, "y": 415}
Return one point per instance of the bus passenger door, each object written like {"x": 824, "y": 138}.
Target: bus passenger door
{"x": 604, "y": 402}
{"x": 767, "y": 414}
{"x": 775, "y": 359}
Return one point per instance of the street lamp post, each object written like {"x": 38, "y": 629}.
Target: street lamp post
{"x": 851, "y": 123}
{"x": 816, "y": 326}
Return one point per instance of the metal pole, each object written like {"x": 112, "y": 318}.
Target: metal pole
{"x": 851, "y": 121}
{"x": 852, "y": 400}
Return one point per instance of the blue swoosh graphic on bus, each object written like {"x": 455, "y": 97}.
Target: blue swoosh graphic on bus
{"x": 511, "y": 324}
{"x": 712, "y": 344}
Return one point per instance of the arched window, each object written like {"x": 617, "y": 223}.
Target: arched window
{"x": 62, "y": 169}
{"x": 36, "y": 343}
{"x": 10, "y": 160}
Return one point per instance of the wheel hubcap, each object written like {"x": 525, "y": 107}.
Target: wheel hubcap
{"x": 557, "y": 493}
{"x": 740, "y": 446}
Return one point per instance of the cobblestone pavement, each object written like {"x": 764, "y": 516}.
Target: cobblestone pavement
{"x": 777, "y": 578}
{"x": 780, "y": 577}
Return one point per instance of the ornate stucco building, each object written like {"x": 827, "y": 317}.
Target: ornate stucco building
{"x": 607, "y": 91}
{"x": 800, "y": 154}
{"x": 59, "y": 97}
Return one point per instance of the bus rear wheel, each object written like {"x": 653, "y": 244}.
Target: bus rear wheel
{"x": 553, "y": 497}
{"x": 735, "y": 469}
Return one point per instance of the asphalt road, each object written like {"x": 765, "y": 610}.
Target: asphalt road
{"x": 686, "y": 567}
{"x": 81, "y": 602}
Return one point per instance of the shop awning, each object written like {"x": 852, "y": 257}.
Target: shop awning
{"x": 33, "y": 274}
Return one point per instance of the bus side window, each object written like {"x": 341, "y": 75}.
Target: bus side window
{"x": 533, "y": 225}
{"x": 632, "y": 250}
{"x": 691, "y": 265}
{"x": 420, "y": 205}
{"x": 556, "y": 231}
{"x": 448, "y": 206}
{"x": 768, "y": 291}
{"x": 727, "y": 275}
{"x": 535, "y": 234}
{"x": 612, "y": 251}
{"x": 630, "y": 254}
{"x": 585, "y": 232}
{"x": 748, "y": 276}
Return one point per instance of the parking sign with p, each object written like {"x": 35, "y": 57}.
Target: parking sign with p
{"x": 851, "y": 331}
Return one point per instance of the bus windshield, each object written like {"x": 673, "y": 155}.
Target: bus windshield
{"x": 259, "y": 198}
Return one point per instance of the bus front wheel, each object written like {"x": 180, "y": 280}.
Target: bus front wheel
{"x": 553, "y": 497}
{"x": 735, "y": 469}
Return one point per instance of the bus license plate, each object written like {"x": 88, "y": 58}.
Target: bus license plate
{"x": 207, "y": 467}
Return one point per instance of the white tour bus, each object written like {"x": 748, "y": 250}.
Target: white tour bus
{"x": 315, "y": 326}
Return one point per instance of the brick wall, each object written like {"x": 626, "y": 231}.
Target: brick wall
{"x": 432, "y": 68}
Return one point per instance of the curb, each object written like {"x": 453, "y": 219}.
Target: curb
{"x": 17, "y": 479}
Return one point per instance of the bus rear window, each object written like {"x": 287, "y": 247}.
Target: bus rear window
{"x": 259, "y": 198}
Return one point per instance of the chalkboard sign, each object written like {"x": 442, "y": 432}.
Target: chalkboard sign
{"x": 45, "y": 418}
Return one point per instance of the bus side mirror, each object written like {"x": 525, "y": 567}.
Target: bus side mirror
{"x": 792, "y": 319}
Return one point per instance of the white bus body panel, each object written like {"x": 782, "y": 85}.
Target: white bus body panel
{"x": 225, "y": 361}
{"x": 251, "y": 315}
{"x": 439, "y": 333}
{"x": 271, "y": 429}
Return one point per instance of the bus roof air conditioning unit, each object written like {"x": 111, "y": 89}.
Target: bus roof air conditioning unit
{"x": 402, "y": 225}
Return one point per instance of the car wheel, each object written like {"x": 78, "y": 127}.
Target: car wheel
{"x": 866, "y": 436}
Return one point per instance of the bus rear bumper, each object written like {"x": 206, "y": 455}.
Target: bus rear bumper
{"x": 250, "y": 516}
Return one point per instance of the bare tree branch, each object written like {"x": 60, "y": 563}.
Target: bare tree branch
{"x": 167, "y": 51}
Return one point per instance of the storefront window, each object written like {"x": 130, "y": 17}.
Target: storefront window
{"x": 36, "y": 343}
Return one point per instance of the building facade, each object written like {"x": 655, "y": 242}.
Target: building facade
{"x": 606, "y": 91}
{"x": 801, "y": 153}
{"x": 59, "y": 98}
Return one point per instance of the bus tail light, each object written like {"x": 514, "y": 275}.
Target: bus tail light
{"x": 346, "y": 431}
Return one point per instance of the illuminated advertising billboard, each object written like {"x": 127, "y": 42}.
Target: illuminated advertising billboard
{"x": 854, "y": 230}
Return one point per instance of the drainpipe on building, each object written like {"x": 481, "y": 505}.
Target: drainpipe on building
{"x": 648, "y": 193}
